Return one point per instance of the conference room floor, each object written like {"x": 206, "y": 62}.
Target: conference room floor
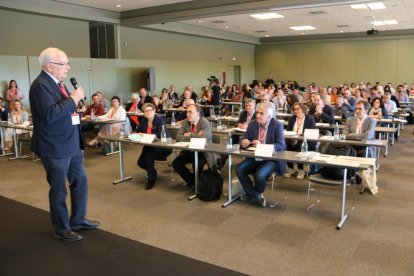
{"x": 377, "y": 238}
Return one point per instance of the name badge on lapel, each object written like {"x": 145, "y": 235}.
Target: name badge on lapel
{"x": 75, "y": 118}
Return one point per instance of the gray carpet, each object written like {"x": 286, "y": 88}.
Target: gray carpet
{"x": 376, "y": 240}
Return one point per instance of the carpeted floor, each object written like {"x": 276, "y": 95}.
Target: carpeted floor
{"x": 376, "y": 240}
{"x": 27, "y": 249}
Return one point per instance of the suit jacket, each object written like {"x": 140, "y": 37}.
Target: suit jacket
{"x": 54, "y": 136}
{"x": 327, "y": 116}
{"x": 309, "y": 124}
{"x": 368, "y": 131}
{"x": 274, "y": 136}
{"x": 148, "y": 99}
{"x": 243, "y": 117}
{"x": 203, "y": 124}
{"x": 157, "y": 124}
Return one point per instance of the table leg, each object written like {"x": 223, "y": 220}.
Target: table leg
{"x": 195, "y": 175}
{"x": 344, "y": 216}
{"x": 121, "y": 168}
{"x": 230, "y": 195}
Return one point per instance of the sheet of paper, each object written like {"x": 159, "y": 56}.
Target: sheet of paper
{"x": 147, "y": 138}
{"x": 312, "y": 134}
{"x": 264, "y": 150}
{"x": 322, "y": 124}
{"x": 198, "y": 143}
{"x": 290, "y": 133}
{"x": 181, "y": 144}
{"x": 135, "y": 137}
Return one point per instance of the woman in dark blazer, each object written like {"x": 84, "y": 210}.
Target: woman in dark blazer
{"x": 151, "y": 123}
{"x": 298, "y": 123}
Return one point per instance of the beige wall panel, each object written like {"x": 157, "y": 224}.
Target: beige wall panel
{"x": 405, "y": 61}
{"x": 278, "y": 62}
{"x": 329, "y": 64}
{"x": 295, "y": 69}
{"x": 387, "y": 61}
{"x": 263, "y": 61}
{"x": 366, "y": 63}
{"x": 347, "y": 58}
{"x": 311, "y": 64}
{"x": 27, "y": 35}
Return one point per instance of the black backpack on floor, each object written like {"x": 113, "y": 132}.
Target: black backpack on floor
{"x": 336, "y": 172}
{"x": 210, "y": 185}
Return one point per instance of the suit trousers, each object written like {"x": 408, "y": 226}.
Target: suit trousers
{"x": 57, "y": 171}
{"x": 260, "y": 171}
{"x": 179, "y": 165}
{"x": 147, "y": 159}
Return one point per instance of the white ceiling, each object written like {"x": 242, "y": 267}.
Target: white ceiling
{"x": 229, "y": 19}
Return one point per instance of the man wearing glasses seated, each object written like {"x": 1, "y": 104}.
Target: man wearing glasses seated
{"x": 194, "y": 126}
{"x": 361, "y": 127}
{"x": 263, "y": 130}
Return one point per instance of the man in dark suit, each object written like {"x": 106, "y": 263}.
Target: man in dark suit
{"x": 263, "y": 130}
{"x": 194, "y": 126}
{"x": 145, "y": 98}
{"x": 57, "y": 140}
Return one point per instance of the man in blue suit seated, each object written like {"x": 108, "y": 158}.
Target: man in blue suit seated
{"x": 57, "y": 140}
{"x": 263, "y": 130}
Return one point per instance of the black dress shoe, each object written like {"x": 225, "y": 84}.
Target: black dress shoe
{"x": 150, "y": 184}
{"x": 86, "y": 224}
{"x": 69, "y": 236}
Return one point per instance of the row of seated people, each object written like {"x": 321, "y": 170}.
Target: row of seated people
{"x": 17, "y": 116}
{"x": 262, "y": 129}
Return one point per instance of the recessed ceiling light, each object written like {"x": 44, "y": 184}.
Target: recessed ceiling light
{"x": 233, "y": 58}
{"x": 341, "y": 31}
{"x": 264, "y": 16}
{"x": 376, "y": 6}
{"x": 359, "y": 7}
{"x": 118, "y": 6}
{"x": 379, "y": 23}
{"x": 371, "y": 6}
{"x": 302, "y": 33}
{"x": 267, "y": 35}
{"x": 390, "y": 22}
{"x": 226, "y": 27}
{"x": 302, "y": 28}
{"x": 200, "y": 21}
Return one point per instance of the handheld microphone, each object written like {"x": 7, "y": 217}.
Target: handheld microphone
{"x": 75, "y": 85}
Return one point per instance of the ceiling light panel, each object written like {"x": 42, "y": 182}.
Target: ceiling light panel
{"x": 265, "y": 16}
{"x": 302, "y": 28}
{"x": 376, "y": 6}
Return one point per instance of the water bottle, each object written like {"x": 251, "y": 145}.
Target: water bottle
{"x": 218, "y": 122}
{"x": 93, "y": 117}
{"x": 304, "y": 149}
{"x": 336, "y": 132}
{"x": 163, "y": 135}
{"x": 212, "y": 112}
{"x": 9, "y": 120}
{"x": 173, "y": 119}
{"x": 229, "y": 144}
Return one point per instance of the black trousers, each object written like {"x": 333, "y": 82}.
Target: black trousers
{"x": 147, "y": 159}
{"x": 179, "y": 165}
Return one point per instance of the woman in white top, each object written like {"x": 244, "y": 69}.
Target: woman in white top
{"x": 18, "y": 116}
{"x": 117, "y": 112}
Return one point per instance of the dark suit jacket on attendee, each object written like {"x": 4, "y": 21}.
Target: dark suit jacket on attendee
{"x": 274, "y": 136}
{"x": 327, "y": 116}
{"x": 309, "y": 124}
{"x": 157, "y": 124}
{"x": 148, "y": 99}
{"x": 243, "y": 117}
{"x": 51, "y": 115}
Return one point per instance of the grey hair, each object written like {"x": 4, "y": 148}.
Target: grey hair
{"x": 47, "y": 55}
{"x": 135, "y": 96}
{"x": 268, "y": 109}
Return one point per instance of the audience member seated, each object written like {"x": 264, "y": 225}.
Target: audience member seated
{"x": 117, "y": 112}
{"x": 401, "y": 94}
{"x": 263, "y": 130}
{"x": 194, "y": 126}
{"x": 92, "y": 111}
{"x": 227, "y": 95}
{"x": 144, "y": 98}
{"x": 13, "y": 93}
{"x": 377, "y": 110}
{"x": 104, "y": 101}
{"x": 151, "y": 123}
{"x": 165, "y": 100}
{"x": 361, "y": 127}
{"x": 4, "y": 113}
{"x": 133, "y": 107}
{"x": 349, "y": 100}
{"x": 342, "y": 109}
{"x": 172, "y": 95}
{"x": 290, "y": 100}
{"x": 322, "y": 113}
{"x": 18, "y": 116}
{"x": 265, "y": 100}
{"x": 159, "y": 109}
{"x": 389, "y": 104}
{"x": 280, "y": 101}
{"x": 298, "y": 123}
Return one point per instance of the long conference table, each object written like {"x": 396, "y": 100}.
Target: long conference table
{"x": 289, "y": 156}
